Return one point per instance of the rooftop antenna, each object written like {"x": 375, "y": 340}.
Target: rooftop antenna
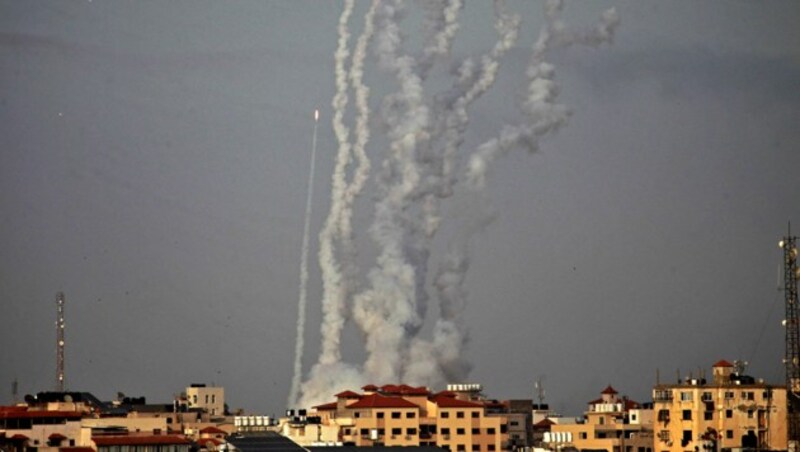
{"x": 60, "y": 301}
{"x": 15, "y": 390}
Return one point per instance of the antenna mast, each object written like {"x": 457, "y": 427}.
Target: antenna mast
{"x": 792, "y": 345}
{"x": 60, "y": 342}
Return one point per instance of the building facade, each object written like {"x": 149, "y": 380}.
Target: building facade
{"x": 402, "y": 415}
{"x": 731, "y": 411}
{"x": 611, "y": 423}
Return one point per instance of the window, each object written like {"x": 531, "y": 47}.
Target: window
{"x": 460, "y": 414}
{"x": 514, "y": 423}
{"x": 663, "y": 415}
{"x": 460, "y": 431}
{"x": 395, "y": 415}
{"x": 357, "y": 414}
{"x": 706, "y": 397}
{"x": 633, "y": 417}
{"x": 748, "y": 395}
{"x": 476, "y": 431}
{"x": 445, "y": 431}
{"x": 490, "y": 431}
{"x": 364, "y": 432}
{"x": 687, "y": 438}
{"x": 686, "y": 396}
{"x": 381, "y": 432}
{"x": 729, "y": 434}
{"x": 708, "y": 416}
{"x": 749, "y": 414}
{"x": 601, "y": 420}
{"x": 206, "y": 398}
{"x": 213, "y": 398}
{"x": 445, "y": 415}
{"x": 461, "y": 448}
{"x": 411, "y": 415}
{"x": 476, "y": 414}
{"x": 728, "y": 414}
{"x": 504, "y": 428}
{"x": 582, "y": 435}
{"x": 194, "y": 398}
{"x": 397, "y": 431}
{"x": 728, "y": 395}
{"x": 411, "y": 431}
{"x": 490, "y": 448}
{"x": 347, "y": 431}
{"x": 687, "y": 415}
{"x": 476, "y": 447}
{"x": 379, "y": 415}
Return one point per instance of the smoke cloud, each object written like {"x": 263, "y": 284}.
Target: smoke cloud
{"x": 423, "y": 164}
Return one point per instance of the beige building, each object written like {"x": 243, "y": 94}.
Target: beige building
{"x": 403, "y": 416}
{"x": 209, "y": 398}
{"x": 731, "y": 411}
{"x": 611, "y": 423}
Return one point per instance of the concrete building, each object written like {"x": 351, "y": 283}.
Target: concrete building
{"x": 730, "y": 411}
{"x": 401, "y": 415}
{"x": 611, "y": 423}
{"x": 208, "y": 398}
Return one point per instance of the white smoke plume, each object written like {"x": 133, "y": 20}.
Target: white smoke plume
{"x": 424, "y": 164}
{"x": 303, "y": 289}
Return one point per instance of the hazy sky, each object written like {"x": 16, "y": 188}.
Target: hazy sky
{"x": 154, "y": 158}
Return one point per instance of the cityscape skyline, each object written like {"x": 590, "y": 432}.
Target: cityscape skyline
{"x": 154, "y": 161}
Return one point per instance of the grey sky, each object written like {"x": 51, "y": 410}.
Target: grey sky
{"x": 154, "y": 159}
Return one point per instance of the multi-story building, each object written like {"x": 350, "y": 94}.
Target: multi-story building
{"x": 209, "y": 398}
{"x": 403, "y": 416}
{"x": 731, "y": 411}
{"x": 611, "y": 423}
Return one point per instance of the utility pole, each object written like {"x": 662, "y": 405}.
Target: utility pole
{"x": 792, "y": 344}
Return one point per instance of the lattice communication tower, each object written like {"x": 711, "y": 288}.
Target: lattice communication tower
{"x": 792, "y": 346}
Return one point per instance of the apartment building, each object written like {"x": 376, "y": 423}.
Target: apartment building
{"x": 731, "y": 411}
{"x": 401, "y": 415}
{"x": 610, "y": 423}
{"x": 208, "y": 398}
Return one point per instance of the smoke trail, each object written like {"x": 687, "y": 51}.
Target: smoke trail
{"x": 387, "y": 309}
{"x": 543, "y": 114}
{"x": 301, "y": 303}
{"x": 339, "y": 276}
{"x": 425, "y": 133}
{"x": 332, "y": 280}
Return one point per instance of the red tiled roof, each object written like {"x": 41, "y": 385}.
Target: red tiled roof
{"x": 452, "y": 402}
{"x": 404, "y": 390}
{"x": 379, "y": 401}
{"x": 595, "y": 401}
{"x": 213, "y": 431}
{"x": 347, "y": 395}
{"x": 631, "y": 405}
{"x": 609, "y": 390}
{"x": 144, "y": 440}
{"x": 370, "y": 388}
{"x": 546, "y": 422}
{"x": 24, "y": 413}
{"x": 20, "y": 436}
{"x": 76, "y": 449}
{"x": 326, "y": 406}
{"x": 722, "y": 363}
{"x": 56, "y": 436}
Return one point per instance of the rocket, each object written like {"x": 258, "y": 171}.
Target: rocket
{"x": 316, "y": 115}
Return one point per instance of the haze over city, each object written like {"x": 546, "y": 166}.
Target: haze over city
{"x": 155, "y": 159}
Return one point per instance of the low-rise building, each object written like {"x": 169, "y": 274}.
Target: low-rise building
{"x": 401, "y": 415}
{"x": 610, "y": 423}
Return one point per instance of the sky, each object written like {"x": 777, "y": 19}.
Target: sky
{"x": 154, "y": 159}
